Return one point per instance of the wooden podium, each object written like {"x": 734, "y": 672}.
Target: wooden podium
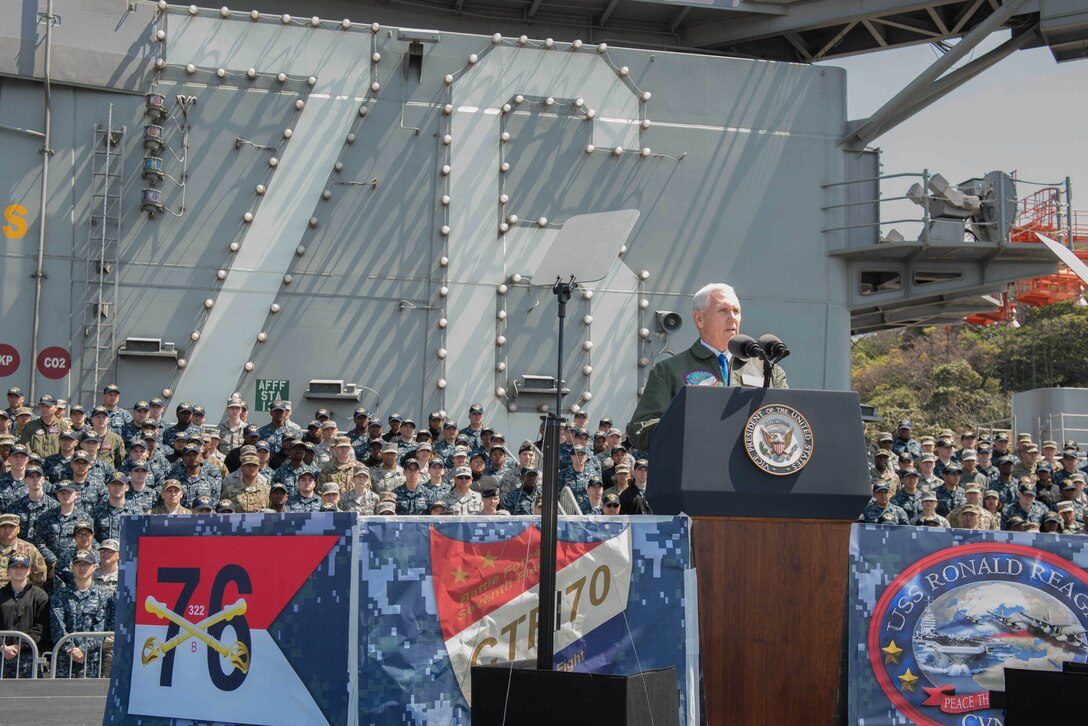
{"x": 770, "y": 549}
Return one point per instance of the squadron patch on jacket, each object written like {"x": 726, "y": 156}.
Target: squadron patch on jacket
{"x": 701, "y": 378}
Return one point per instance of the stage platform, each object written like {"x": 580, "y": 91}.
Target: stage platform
{"x": 53, "y": 702}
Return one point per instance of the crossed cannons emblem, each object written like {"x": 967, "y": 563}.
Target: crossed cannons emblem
{"x": 236, "y": 654}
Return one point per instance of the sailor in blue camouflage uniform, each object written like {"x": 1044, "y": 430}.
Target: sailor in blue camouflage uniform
{"x": 437, "y": 481}
{"x": 143, "y": 493}
{"x": 184, "y": 414}
{"x": 1068, "y": 468}
{"x": 358, "y": 436}
{"x": 135, "y": 425}
{"x": 904, "y": 441}
{"x": 305, "y": 498}
{"x": 880, "y": 510}
{"x": 444, "y": 445}
{"x": 475, "y": 424}
{"x": 81, "y": 607}
{"x": 19, "y": 490}
{"x": 90, "y": 491}
{"x": 100, "y": 469}
{"x": 406, "y": 442}
{"x": 56, "y": 527}
{"x": 288, "y": 473}
{"x": 32, "y": 506}
{"x": 111, "y": 398}
{"x": 577, "y": 477}
{"x": 951, "y": 494}
{"x": 194, "y": 481}
{"x": 412, "y": 496}
{"x": 909, "y": 497}
{"x": 107, "y": 514}
{"x": 138, "y": 456}
{"x": 56, "y": 466}
{"x": 522, "y": 499}
{"x": 207, "y": 468}
{"x": 273, "y": 431}
{"x": 1025, "y": 507}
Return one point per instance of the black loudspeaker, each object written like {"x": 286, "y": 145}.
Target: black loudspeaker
{"x": 1036, "y": 697}
{"x": 505, "y": 696}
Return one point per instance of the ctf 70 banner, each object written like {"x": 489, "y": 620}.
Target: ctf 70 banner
{"x": 938, "y": 614}
{"x": 331, "y": 618}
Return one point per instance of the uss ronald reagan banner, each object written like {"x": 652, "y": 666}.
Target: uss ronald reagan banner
{"x": 938, "y": 614}
{"x": 329, "y": 618}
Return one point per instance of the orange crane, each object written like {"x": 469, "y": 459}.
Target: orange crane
{"x": 1042, "y": 212}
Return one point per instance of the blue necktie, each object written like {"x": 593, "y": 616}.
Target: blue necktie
{"x": 722, "y": 362}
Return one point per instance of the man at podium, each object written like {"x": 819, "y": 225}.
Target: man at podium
{"x": 716, "y": 312}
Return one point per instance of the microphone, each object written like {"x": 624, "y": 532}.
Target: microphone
{"x": 773, "y": 347}
{"x": 745, "y": 347}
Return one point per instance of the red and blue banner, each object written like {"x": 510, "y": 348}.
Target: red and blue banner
{"x": 938, "y": 614}
{"x": 331, "y": 618}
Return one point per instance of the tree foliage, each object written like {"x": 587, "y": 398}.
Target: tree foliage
{"x": 961, "y": 377}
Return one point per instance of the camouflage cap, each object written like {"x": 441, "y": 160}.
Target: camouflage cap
{"x": 973, "y": 487}
{"x": 927, "y": 440}
{"x": 389, "y": 448}
{"x": 929, "y": 497}
{"x": 884, "y": 436}
{"x": 110, "y": 544}
{"x": 330, "y": 488}
{"x": 1065, "y": 507}
{"x": 990, "y": 493}
{"x": 971, "y": 508}
{"x": 342, "y": 442}
{"x": 427, "y": 447}
{"x": 930, "y": 458}
{"x": 278, "y": 486}
{"x": 387, "y": 507}
{"x": 329, "y": 424}
{"x": 621, "y": 469}
{"x": 459, "y": 451}
{"x": 10, "y": 519}
{"x": 362, "y": 471}
{"x": 23, "y": 411}
{"x": 251, "y": 459}
{"x": 462, "y": 471}
{"x": 968, "y": 455}
{"x": 882, "y": 452}
{"x": 171, "y": 484}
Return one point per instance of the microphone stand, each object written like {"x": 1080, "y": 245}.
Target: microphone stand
{"x": 768, "y": 368}
{"x": 548, "y": 596}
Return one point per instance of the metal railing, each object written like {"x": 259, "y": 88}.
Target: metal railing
{"x": 1051, "y": 201}
{"x": 94, "y": 663}
{"x": 21, "y": 658}
{"x": 1062, "y": 427}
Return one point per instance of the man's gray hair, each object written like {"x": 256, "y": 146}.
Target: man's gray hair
{"x": 702, "y": 298}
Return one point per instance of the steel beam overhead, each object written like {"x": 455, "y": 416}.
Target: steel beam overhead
{"x": 877, "y": 123}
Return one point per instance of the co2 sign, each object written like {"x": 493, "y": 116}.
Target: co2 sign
{"x": 9, "y": 360}
{"x": 54, "y": 362}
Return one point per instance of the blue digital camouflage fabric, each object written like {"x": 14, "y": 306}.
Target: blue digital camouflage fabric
{"x": 56, "y": 531}
{"x": 274, "y": 436}
{"x": 520, "y": 501}
{"x": 875, "y": 514}
{"x": 76, "y": 611}
{"x": 30, "y": 515}
{"x": 416, "y": 501}
{"x": 299, "y": 503}
{"x": 949, "y": 499}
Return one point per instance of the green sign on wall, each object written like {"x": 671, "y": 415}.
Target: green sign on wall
{"x": 269, "y": 390}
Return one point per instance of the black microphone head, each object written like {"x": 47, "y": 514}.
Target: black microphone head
{"x": 773, "y": 346}
{"x": 744, "y": 347}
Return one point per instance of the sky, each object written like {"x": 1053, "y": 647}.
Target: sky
{"x": 1025, "y": 114}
